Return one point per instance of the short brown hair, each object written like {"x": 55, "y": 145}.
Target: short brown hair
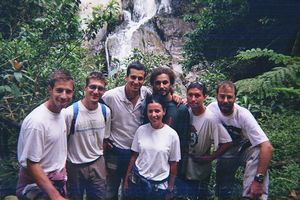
{"x": 95, "y": 75}
{"x": 227, "y": 83}
{"x": 60, "y": 74}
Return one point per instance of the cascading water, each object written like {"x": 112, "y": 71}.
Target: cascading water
{"x": 118, "y": 45}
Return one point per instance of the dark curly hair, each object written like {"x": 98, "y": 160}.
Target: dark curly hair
{"x": 162, "y": 70}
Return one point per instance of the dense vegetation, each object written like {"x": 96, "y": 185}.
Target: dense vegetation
{"x": 251, "y": 42}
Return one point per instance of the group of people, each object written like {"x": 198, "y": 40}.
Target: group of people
{"x": 145, "y": 141}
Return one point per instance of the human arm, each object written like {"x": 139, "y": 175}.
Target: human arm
{"x": 265, "y": 156}
{"x": 207, "y": 158}
{"x": 178, "y": 99}
{"x": 41, "y": 179}
{"x": 173, "y": 174}
{"x": 133, "y": 158}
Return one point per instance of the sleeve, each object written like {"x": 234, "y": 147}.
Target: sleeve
{"x": 220, "y": 134}
{"x": 175, "y": 148}
{"x": 252, "y": 129}
{"x": 33, "y": 137}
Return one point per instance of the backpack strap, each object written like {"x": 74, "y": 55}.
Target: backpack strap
{"x": 75, "y": 114}
{"x": 103, "y": 108}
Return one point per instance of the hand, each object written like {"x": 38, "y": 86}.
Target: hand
{"x": 177, "y": 99}
{"x": 255, "y": 190}
{"x": 169, "y": 195}
{"x": 107, "y": 144}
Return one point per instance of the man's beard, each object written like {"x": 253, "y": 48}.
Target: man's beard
{"x": 226, "y": 108}
{"x": 163, "y": 93}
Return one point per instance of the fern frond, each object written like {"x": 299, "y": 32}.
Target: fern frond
{"x": 263, "y": 86}
{"x": 252, "y": 54}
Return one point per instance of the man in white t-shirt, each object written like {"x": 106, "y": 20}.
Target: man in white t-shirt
{"x": 251, "y": 147}
{"x": 42, "y": 144}
{"x": 127, "y": 104}
{"x": 205, "y": 132}
{"x": 88, "y": 123}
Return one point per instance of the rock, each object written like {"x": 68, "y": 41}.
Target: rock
{"x": 171, "y": 31}
{"x": 148, "y": 40}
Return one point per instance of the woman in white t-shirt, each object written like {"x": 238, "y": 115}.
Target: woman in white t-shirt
{"x": 155, "y": 152}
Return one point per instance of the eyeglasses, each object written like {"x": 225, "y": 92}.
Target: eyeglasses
{"x": 161, "y": 82}
{"x": 94, "y": 87}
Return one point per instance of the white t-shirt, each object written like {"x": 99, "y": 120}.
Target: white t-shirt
{"x": 156, "y": 147}
{"x": 126, "y": 118}
{"x": 43, "y": 139}
{"x": 208, "y": 131}
{"x": 241, "y": 120}
{"x": 86, "y": 144}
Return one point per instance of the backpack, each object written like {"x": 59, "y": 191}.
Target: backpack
{"x": 75, "y": 114}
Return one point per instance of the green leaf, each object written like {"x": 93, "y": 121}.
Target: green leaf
{"x": 18, "y": 76}
{"x": 4, "y": 88}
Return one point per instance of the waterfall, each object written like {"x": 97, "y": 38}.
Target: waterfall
{"x": 118, "y": 45}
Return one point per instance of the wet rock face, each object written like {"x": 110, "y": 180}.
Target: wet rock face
{"x": 150, "y": 25}
{"x": 164, "y": 35}
{"x": 171, "y": 31}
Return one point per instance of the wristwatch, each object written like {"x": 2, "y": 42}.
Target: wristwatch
{"x": 259, "y": 178}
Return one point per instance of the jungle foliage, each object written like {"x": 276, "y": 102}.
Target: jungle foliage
{"x": 45, "y": 37}
{"x": 225, "y": 27}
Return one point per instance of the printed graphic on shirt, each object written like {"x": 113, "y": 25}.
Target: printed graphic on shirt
{"x": 234, "y": 132}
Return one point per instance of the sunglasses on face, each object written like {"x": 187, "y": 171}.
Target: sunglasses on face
{"x": 196, "y": 83}
{"x": 94, "y": 87}
{"x": 161, "y": 82}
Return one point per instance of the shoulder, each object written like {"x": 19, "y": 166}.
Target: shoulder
{"x": 113, "y": 93}
{"x": 143, "y": 129}
{"x": 241, "y": 109}
{"x": 104, "y": 107}
{"x": 213, "y": 106}
{"x": 243, "y": 113}
{"x": 38, "y": 113}
{"x": 170, "y": 130}
{"x": 210, "y": 116}
{"x": 183, "y": 108}
{"x": 145, "y": 91}
{"x": 36, "y": 118}
{"x": 69, "y": 109}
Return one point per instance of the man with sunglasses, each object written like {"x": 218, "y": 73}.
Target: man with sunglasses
{"x": 162, "y": 80}
{"x": 251, "y": 147}
{"x": 205, "y": 131}
{"x": 85, "y": 162}
{"x": 127, "y": 103}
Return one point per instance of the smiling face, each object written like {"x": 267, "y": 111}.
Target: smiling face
{"x": 195, "y": 98}
{"x": 94, "y": 90}
{"x": 60, "y": 95}
{"x": 162, "y": 85}
{"x": 155, "y": 113}
{"x": 135, "y": 80}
